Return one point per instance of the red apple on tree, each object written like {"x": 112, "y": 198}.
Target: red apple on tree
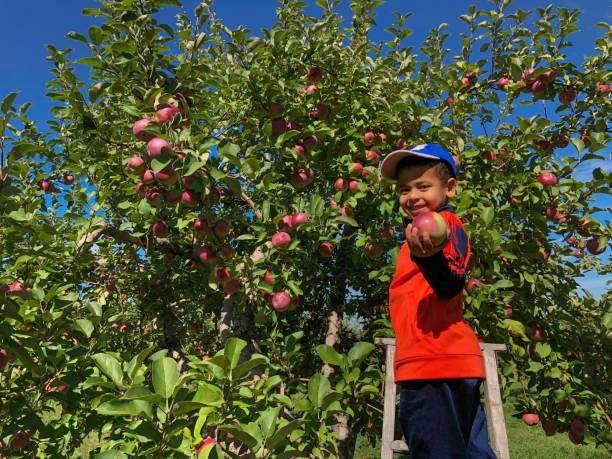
{"x": 561, "y": 141}
{"x": 158, "y": 147}
{"x": 373, "y": 157}
{"x": 281, "y": 301}
{"x": 340, "y": 184}
{"x": 531, "y": 419}
{"x": 205, "y": 254}
{"x": 221, "y": 228}
{"x": 547, "y": 178}
{"x": 167, "y": 175}
{"x": 374, "y": 251}
{"x": 68, "y": 179}
{"x": 279, "y": 125}
{"x": 502, "y": 83}
{"x": 326, "y": 249}
{"x": 139, "y": 130}
{"x": 310, "y": 142}
{"x": 269, "y": 279}
{"x": 473, "y": 283}
{"x": 160, "y": 229}
{"x": 148, "y": 177}
{"x": 189, "y": 198}
{"x": 594, "y": 246}
{"x": 201, "y": 228}
{"x": 298, "y": 219}
{"x": 369, "y": 138}
{"x": 231, "y": 286}
{"x": 315, "y": 75}
{"x": 280, "y": 240}
{"x": 276, "y": 110}
{"x": 166, "y": 114}
{"x": 285, "y": 223}
{"x": 136, "y": 165}
{"x": 566, "y": 96}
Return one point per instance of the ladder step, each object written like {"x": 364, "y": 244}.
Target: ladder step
{"x": 400, "y": 446}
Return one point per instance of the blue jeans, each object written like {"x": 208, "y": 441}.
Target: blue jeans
{"x": 443, "y": 418}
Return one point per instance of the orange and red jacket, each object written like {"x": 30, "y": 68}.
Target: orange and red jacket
{"x": 433, "y": 340}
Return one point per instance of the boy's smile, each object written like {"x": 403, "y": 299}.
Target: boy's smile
{"x": 421, "y": 189}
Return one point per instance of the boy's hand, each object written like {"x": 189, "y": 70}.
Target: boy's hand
{"x": 421, "y": 244}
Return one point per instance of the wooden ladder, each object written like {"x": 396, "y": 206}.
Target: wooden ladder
{"x": 494, "y": 408}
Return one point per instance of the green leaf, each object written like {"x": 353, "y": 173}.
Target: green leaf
{"x": 317, "y": 205}
{"x": 282, "y": 433}
{"x": 165, "y": 376}
{"x": 329, "y": 355}
{"x": 208, "y": 394}
{"x": 110, "y": 367}
{"x": 141, "y": 393}
{"x": 111, "y": 454}
{"x": 234, "y": 185}
{"x": 118, "y": 407}
{"x": 360, "y": 350}
{"x": 543, "y": 349}
{"x": 233, "y": 348}
{"x": 268, "y": 421}
{"x": 247, "y": 366}
{"x": 192, "y": 166}
{"x": 211, "y": 451}
{"x": 245, "y": 437}
{"x": 76, "y": 36}
{"x": 503, "y": 283}
{"x": 487, "y": 215}
{"x": 21, "y": 149}
{"x": 7, "y": 103}
{"x": 318, "y": 387}
{"x": 84, "y": 326}
{"x": 96, "y": 35}
{"x": 343, "y": 220}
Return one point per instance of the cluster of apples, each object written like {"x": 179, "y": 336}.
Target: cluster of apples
{"x": 187, "y": 196}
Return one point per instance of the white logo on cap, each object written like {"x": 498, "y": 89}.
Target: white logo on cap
{"x": 419, "y": 147}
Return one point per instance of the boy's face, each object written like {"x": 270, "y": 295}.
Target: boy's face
{"x": 421, "y": 190}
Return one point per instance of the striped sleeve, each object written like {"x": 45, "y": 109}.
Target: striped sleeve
{"x": 445, "y": 271}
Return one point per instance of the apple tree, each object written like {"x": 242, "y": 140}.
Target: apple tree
{"x": 185, "y": 254}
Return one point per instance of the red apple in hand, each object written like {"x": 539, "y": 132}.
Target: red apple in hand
{"x": 432, "y": 223}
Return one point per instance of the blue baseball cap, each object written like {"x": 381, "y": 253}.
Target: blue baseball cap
{"x": 428, "y": 150}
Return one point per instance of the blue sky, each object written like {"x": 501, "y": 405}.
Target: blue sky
{"x": 28, "y": 25}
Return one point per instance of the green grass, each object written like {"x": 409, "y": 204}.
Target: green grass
{"x": 526, "y": 442}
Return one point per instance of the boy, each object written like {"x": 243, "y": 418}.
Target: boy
{"x": 438, "y": 361}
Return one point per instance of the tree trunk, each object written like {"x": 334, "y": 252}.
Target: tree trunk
{"x": 346, "y": 445}
{"x": 332, "y": 337}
